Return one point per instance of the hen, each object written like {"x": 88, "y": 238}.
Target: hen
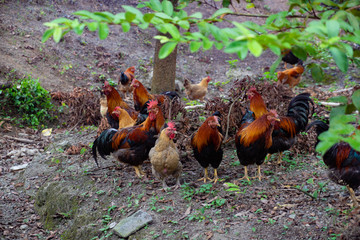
{"x": 290, "y": 76}
{"x": 131, "y": 145}
{"x": 125, "y": 80}
{"x": 103, "y": 104}
{"x": 206, "y": 143}
{"x": 124, "y": 118}
{"x": 164, "y": 157}
{"x": 343, "y": 162}
{"x": 196, "y": 91}
{"x": 254, "y": 139}
{"x": 113, "y": 100}
{"x": 289, "y": 57}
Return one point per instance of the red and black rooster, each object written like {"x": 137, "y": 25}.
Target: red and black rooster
{"x": 343, "y": 162}
{"x": 131, "y": 145}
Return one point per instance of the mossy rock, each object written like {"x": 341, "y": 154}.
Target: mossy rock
{"x": 55, "y": 202}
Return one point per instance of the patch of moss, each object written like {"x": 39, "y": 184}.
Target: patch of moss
{"x": 54, "y": 202}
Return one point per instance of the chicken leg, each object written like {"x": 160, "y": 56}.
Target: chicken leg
{"x": 259, "y": 173}
{"x": 353, "y": 197}
{"x": 246, "y": 176}
{"x": 215, "y": 176}
{"x": 279, "y": 158}
{"x": 138, "y": 171}
{"x": 206, "y": 176}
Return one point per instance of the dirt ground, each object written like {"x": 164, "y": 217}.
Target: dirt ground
{"x": 61, "y": 194}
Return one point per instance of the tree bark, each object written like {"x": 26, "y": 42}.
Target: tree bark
{"x": 164, "y": 70}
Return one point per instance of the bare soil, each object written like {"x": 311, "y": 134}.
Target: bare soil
{"x": 61, "y": 194}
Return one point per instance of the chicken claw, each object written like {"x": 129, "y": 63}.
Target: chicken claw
{"x": 353, "y": 197}
{"x": 246, "y": 176}
{"x": 206, "y": 177}
{"x": 138, "y": 171}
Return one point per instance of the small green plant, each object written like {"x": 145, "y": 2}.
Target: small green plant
{"x": 232, "y": 63}
{"x": 31, "y": 100}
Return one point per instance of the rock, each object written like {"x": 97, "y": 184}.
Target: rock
{"x": 24, "y": 226}
{"x": 19, "y": 167}
{"x": 292, "y": 216}
{"x": 129, "y": 225}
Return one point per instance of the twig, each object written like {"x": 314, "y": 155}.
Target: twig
{"x": 343, "y": 90}
{"x": 266, "y": 16}
{"x": 194, "y": 107}
{"x": 332, "y": 104}
{"x": 305, "y": 192}
{"x": 20, "y": 139}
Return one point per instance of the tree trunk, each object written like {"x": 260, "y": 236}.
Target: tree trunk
{"x": 164, "y": 70}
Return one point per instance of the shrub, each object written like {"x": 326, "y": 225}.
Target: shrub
{"x": 31, "y": 100}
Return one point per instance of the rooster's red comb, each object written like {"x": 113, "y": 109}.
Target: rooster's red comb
{"x": 152, "y": 104}
{"x": 171, "y": 125}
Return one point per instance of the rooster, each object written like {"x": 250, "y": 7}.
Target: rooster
{"x": 295, "y": 121}
{"x": 343, "y": 162}
{"x": 124, "y": 118}
{"x": 113, "y": 100}
{"x": 289, "y": 57}
{"x": 131, "y": 145}
{"x": 206, "y": 143}
{"x": 197, "y": 91}
{"x": 257, "y": 104}
{"x": 125, "y": 80}
{"x": 254, "y": 139}
{"x": 290, "y": 76}
{"x": 164, "y": 157}
{"x": 285, "y": 131}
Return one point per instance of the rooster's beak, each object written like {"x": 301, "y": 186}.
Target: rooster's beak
{"x": 277, "y": 119}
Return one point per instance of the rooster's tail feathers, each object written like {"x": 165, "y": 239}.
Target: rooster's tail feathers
{"x": 299, "y": 110}
{"x": 320, "y": 127}
{"x": 103, "y": 144}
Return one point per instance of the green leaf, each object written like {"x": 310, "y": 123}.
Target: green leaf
{"x": 184, "y": 24}
{"x": 299, "y": 52}
{"x": 167, "y": 7}
{"x": 275, "y": 65}
{"x": 92, "y": 26}
{"x": 250, "y": 5}
{"x": 196, "y": 15}
{"x": 156, "y": 5}
{"x": 317, "y": 73}
{"x": 356, "y": 99}
{"x": 194, "y": 46}
{"x": 338, "y": 99}
{"x": 221, "y": 11}
{"x": 337, "y": 111}
{"x": 350, "y": 108}
{"x": 148, "y": 16}
{"x": 83, "y": 13}
{"x": 57, "y": 34}
{"x": 103, "y": 30}
{"x": 174, "y": 32}
{"x": 133, "y": 10}
{"x": 207, "y": 44}
{"x": 340, "y": 58}
{"x": 354, "y": 22}
{"x": 254, "y": 47}
{"x": 333, "y": 28}
{"x": 125, "y": 26}
{"x": 275, "y": 49}
{"x": 130, "y": 16}
{"x": 166, "y": 49}
{"x": 235, "y": 46}
{"x": 226, "y": 3}
{"x": 47, "y": 34}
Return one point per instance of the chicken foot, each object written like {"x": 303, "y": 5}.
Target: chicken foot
{"x": 215, "y": 176}
{"x": 353, "y": 197}
{"x": 206, "y": 176}
{"x": 138, "y": 171}
{"x": 258, "y": 173}
{"x": 246, "y": 176}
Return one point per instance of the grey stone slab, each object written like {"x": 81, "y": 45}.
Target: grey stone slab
{"x": 131, "y": 224}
